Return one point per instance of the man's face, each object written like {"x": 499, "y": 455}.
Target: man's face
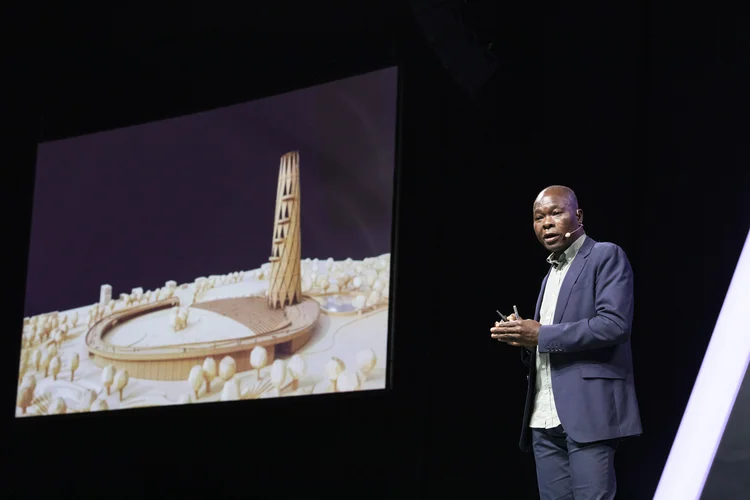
{"x": 554, "y": 215}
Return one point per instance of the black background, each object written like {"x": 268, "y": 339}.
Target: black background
{"x": 640, "y": 108}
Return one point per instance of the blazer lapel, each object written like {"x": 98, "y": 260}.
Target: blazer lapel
{"x": 579, "y": 262}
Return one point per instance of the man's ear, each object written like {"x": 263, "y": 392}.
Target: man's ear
{"x": 579, "y": 214}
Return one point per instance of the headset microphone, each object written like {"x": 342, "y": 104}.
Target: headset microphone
{"x": 567, "y": 235}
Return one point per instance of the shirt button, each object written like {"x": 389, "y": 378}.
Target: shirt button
{"x": 544, "y": 366}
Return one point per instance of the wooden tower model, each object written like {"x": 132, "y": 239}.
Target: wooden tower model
{"x": 285, "y": 282}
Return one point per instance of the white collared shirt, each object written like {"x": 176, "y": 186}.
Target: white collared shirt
{"x": 545, "y": 415}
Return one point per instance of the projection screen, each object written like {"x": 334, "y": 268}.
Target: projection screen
{"x": 233, "y": 254}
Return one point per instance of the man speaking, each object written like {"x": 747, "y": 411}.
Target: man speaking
{"x": 581, "y": 396}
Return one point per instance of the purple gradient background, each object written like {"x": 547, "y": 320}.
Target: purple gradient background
{"x": 194, "y": 196}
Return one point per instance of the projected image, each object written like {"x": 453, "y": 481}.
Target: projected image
{"x": 235, "y": 254}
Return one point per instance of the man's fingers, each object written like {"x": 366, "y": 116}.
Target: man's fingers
{"x": 510, "y": 336}
{"x": 506, "y": 337}
{"x": 509, "y": 327}
{"x": 507, "y": 340}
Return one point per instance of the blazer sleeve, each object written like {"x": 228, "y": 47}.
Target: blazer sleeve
{"x": 614, "y": 310}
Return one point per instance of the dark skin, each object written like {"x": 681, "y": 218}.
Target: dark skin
{"x": 556, "y": 212}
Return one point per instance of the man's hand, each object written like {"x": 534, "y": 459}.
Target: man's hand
{"x": 517, "y": 332}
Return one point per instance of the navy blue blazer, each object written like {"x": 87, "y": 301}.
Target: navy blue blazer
{"x": 589, "y": 346}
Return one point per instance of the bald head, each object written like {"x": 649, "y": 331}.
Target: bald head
{"x": 561, "y": 192}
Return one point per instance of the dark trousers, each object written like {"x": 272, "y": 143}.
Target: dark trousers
{"x": 567, "y": 470}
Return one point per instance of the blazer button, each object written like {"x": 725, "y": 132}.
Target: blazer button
{"x": 527, "y": 378}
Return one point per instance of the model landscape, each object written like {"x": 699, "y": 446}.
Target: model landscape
{"x": 290, "y": 327}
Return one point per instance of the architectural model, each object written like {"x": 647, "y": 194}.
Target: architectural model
{"x": 292, "y": 326}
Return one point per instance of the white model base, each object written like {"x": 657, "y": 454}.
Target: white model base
{"x": 340, "y": 336}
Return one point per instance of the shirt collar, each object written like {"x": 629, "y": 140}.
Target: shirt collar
{"x": 568, "y": 255}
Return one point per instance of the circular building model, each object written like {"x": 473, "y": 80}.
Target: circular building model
{"x": 282, "y": 322}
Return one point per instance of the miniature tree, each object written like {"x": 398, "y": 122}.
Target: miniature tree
{"x": 57, "y": 337}
{"x": 74, "y": 320}
{"x": 52, "y": 348}
{"x": 178, "y": 319}
{"x": 230, "y": 391}
{"x": 358, "y": 303}
{"x": 333, "y": 369}
{"x": 373, "y": 299}
{"x": 35, "y": 358}
{"x": 29, "y": 380}
{"x": 45, "y": 330}
{"x": 46, "y": 359}
{"x": 54, "y": 367}
{"x": 356, "y": 283}
{"x": 24, "y": 363}
{"x": 342, "y": 280}
{"x": 210, "y": 372}
{"x": 323, "y": 283}
{"x": 278, "y": 375}
{"x": 74, "y": 362}
{"x": 258, "y": 358}
{"x": 347, "y": 381}
{"x": 108, "y": 376}
{"x": 26, "y": 393}
{"x": 183, "y": 314}
{"x": 196, "y": 379}
{"x": 227, "y": 368}
{"x": 296, "y": 368}
{"x": 121, "y": 381}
